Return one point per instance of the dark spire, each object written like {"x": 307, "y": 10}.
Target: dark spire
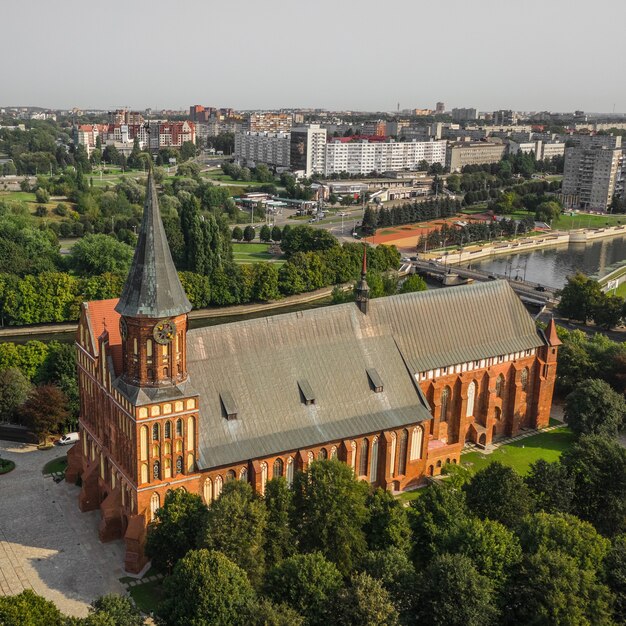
{"x": 152, "y": 288}
{"x": 362, "y": 288}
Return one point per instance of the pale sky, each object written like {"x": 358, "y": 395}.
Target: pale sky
{"x": 558, "y": 55}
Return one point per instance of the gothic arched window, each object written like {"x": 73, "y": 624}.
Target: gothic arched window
{"x": 323, "y": 454}
{"x": 363, "y": 458}
{"x": 208, "y": 491}
{"x": 168, "y": 430}
{"x": 179, "y": 465}
{"x": 445, "y": 401}
{"x": 471, "y": 397}
{"x": 179, "y": 428}
{"x": 156, "y": 470}
{"x": 277, "y": 472}
{"x": 417, "y": 437}
{"x": 499, "y": 386}
{"x": 290, "y": 465}
{"x": 155, "y": 432}
{"x": 154, "y": 505}
{"x": 524, "y": 379}
{"x": 374, "y": 460}
{"x": 404, "y": 440}
{"x": 230, "y": 475}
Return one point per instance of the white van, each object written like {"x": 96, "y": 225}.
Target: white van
{"x": 69, "y": 438}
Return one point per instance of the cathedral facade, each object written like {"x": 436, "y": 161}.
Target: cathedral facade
{"x": 394, "y": 387}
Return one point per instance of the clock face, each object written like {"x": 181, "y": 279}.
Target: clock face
{"x": 164, "y": 331}
{"x": 123, "y": 328}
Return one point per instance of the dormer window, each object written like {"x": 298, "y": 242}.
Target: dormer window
{"x": 228, "y": 405}
{"x": 306, "y": 391}
{"x": 376, "y": 382}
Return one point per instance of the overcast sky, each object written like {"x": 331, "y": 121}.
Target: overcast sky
{"x": 529, "y": 55}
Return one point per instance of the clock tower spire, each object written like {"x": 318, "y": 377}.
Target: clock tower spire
{"x": 153, "y": 307}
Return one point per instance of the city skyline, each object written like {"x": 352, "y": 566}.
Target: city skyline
{"x": 340, "y": 58}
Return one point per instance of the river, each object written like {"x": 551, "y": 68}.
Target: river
{"x": 552, "y": 266}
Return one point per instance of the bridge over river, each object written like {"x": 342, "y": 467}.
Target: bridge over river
{"x": 533, "y": 293}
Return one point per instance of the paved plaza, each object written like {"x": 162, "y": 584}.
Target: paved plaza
{"x": 46, "y": 543}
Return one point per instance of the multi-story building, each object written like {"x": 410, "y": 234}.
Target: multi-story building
{"x": 440, "y": 108}
{"x": 473, "y": 153}
{"x": 364, "y": 156}
{"x": 268, "y": 122}
{"x": 464, "y": 115}
{"x": 307, "y": 152}
{"x": 377, "y": 128}
{"x": 175, "y": 134}
{"x": 542, "y": 149}
{"x": 590, "y": 176}
{"x": 270, "y": 148}
{"x": 393, "y": 387}
{"x": 504, "y": 118}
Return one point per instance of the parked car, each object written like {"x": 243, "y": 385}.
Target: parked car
{"x": 69, "y": 438}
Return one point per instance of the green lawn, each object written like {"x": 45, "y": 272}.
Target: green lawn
{"x": 582, "y": 220}
{"x": 56, "y": 466}
{"x": 621, "y": 290}
{"x": 254, "y": 252}
{"x": 521, "y": 454}
{"x": 18, "y": 196}
{"x": 409, "y": 496}
{"x": 147, "y": 596}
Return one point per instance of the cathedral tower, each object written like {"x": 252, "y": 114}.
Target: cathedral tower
{"x": 153, "y": 308}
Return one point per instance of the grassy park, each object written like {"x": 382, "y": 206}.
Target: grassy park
{"x": 521, "y": 454}
{"x": 254, "y": 252}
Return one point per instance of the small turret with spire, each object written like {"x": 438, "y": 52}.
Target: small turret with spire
{"x": 362, "y": 288}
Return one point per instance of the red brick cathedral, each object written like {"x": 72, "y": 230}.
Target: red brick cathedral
{"x": 393, "y": 387}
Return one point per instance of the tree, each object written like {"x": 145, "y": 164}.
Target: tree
{"x": 29, "y": 609}
{"x": 279, "y": 537}
{"x": 388, "y": 525}
{"x": 551, "y": 588}
{"x": 370, "y": 220}
{"x": 265, "y": 233}
{"x": 598, "y": 467}
{"x": 97, "y": 254}
{"x": 235, "y": 525}
{"x": 248, "y": 233}
{"x": 397, "y": 574}
{"x": 498, "y": 492}
{"x": 580, "y": 297}
{"x": 237, "y": 233}
{"x": 115, "y": 610}
{"x": 276, "y": 233}
{"x": 453, "y": 593}
{"x": 265, "y": 282}
{"x": 176, "y": 528}
{"x": 494, "y": 550}
{"x": 330, "y": 511}
{"x": 593, "y": 408}
{"x": 609, "y": 311}
{"x": 187, "y": 150}
{"x": 365, "y": 602}
{"x": 412, "y": 283}
{"x": 45, "y": 410}
{"x": 207, "y": 588}
{"x": 565, "y": 533}
{"x": 14, "y": 390}
{"x": 437, "y": 514}
{"x": 308, "y": 583}
{"x": 551, "y": 485}
{"x": 42, "y": 196}
{"x": 548, "y": 211}
{"x": 306, "y": 239}
{"x": 615, "y": 576}
{"x": 267, "y": 613}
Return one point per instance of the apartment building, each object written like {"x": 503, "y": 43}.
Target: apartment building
{"x": 464, "y": 115}
{"x": 263, "y": 147}
{"x": 268, "y": 122}
{"x": 504, "y": 118}
{"x": 307, "y": 151}
{"x": 541, "y": 149}
{"x": 473, "y": 153}
{"x": 363, "y": 156}
{"x": 590, "y": 176}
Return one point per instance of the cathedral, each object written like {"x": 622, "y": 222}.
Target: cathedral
{"x": 394, "y": 387}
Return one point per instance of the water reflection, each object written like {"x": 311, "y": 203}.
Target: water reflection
{"x": 551, "y": 266}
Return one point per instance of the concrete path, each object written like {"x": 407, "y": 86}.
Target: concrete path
{"x": 46, "y": 543}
